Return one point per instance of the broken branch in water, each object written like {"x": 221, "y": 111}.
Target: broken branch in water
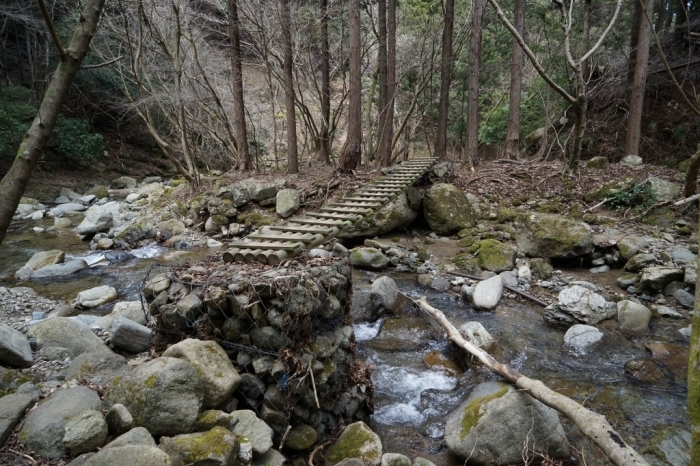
{"x": 508, "y": 287}
{"x": 592, "y": 425}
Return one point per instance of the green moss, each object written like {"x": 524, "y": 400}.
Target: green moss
{"x": 176, "y": 183}
{"x": 257, "y": 219}
{"x": 467, "y": 263}
{"x": 150, "y": 382}
{"x": 423, "y": 254}
{"x": 28, "y": 200}
{"x": 464, "y": 232}
{"x": 3, "y": 393}
{"x": 198, "y": 447}
{"x": 466, "y": 241}
{"x": 99, "y": 191}
{"x": 472, "y": 412}
{"x": 494, "y": 255}
{"x": 507, "y": 215}
{"x": 396, "y": 239}
{"x": 550, "y": 208}
{"x": 352, "y": 444}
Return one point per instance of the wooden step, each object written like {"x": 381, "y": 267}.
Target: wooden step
{"x": 291, "y": 246}
{"x": 351, "y": 217}
{"x": 304, "y": 238}
{"x": 302, "y": 229}
{"x": 318, "y": 221}
{"x": 369, "y": 198}
{"x": 356, "y": 204}
{"x": 347, "y": 210}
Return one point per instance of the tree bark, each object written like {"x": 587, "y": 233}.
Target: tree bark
{"x": 352, "y": 149}
{"x": 15, "y": 181}
{"x": 637, "y": 20}
{"x": 292, "y": 158}
{"x": 324, "y": 147}
{"x": 639, "y": 81}
{"x": 694, "y": 365}
{"x": 386, "y": 130}
{"x": 234, "y": 31}
{"x": 474, "y": 71}
{"x": 592, "y": 425}
{"x": 691, "y": 176}
{"x": 381, "y": 80}
{"x": 445, "y": 80}
{"x": 516, "y": 79}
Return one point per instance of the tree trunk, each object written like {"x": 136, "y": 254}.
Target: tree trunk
{"x": 586, "y": 65}
{"x": 15, "y": 181}
{"x": 639, "y": 81}
{"x": 390, "y": 80}
{"x": 234, "y": 32}
{"x": 694, "y": 362}
{"x": 691, "y": 176}
{"x": 381, "y": 80}
{"x": 474, "y": 70}
{"x": 580, "y": 110}
{"x": 292, "y": 159}
{"x": 637, "y": 20}
{"x": 445, "y": 80}
{"x": 516, "y": 79}
{"x": 324, "y": 147}
{"x": 592, "y": 425}
{"x": 352, "y": 149}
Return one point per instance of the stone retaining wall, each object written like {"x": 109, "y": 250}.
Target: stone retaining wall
{"x": 287, "y": 330}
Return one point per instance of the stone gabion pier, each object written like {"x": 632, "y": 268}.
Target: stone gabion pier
{"x": 286, "y": 329}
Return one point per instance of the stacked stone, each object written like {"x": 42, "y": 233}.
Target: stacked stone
{"x": 287, "y": 330}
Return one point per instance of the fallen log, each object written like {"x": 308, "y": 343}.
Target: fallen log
{"x": 592, "y": 425}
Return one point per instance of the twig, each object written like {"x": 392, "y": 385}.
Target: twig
{"x": 475, "y": 179}
{"x": 52, "y": 30}
{"x": 313, "y": 385}
{"x": 100, "y": 65}
{"x": 508, "y": 287}
{"x": 284, "y": 437}
{"x": 643, "y": 214}
{"x": 687, "y": 200}
{"x": 607, "y": 199}
{"x": 317, "y": 449}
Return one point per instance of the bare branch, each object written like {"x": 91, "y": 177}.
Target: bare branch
{"x": 52, "y": 30}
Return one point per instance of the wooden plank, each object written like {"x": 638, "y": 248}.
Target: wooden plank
{"x": 367, "y": 198}
{"x": 318, "y": 221}
{"x": 351, "y": 217}
{"x": 347, "y": 210}
{"x": 379, "y": 189}
{"x": 356, "y": 204}
{"x": 301, "y": 229}
{"x": 281, "y": 237}
{"x": 279, "y": 245}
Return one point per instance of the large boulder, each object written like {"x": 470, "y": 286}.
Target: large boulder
{"x": 97, "y": 219}
{"x": 45, "y": 258}
{"x": 251, "y": 189}
{"x": 132, "y": 455}
{"x": 631, "y": 245}
{"x": 579, "y": 305}
{"x": 632, "y": 316}
{"x": 488, "y": 293}
{"x": 96, "y": 296}
{"x": 12, "y": 408}
{"x": 357, "y": 441}
{"x": 45, "y": 427}
{"x": 254, "y": 429}
{"x": 60, "y": 270}
{"x": 163, "y": 395}
{"x": 554, "y": 236}
{"x": 499, "y": 425}
{"x": 287, "y": 202}
{"x": 609, "y": 189}
{"x": 85, "y": 432}
{"x": 638, "y": 261}
{"x": 67, "y": 333}
{"x": 15, "y": 350}
{"x": 397, "y": 213}
{"x": 132, "y": 310}
{"x": 212, "y": 364}
{"x": 662, "y": 190}
{"x": 447, "y": 209}
{"x": 97, "y": 368}
{"x": 495, "y": 256}
{"x": 368, "y": 258}
{"x": 384, "y": 294}
{"x": 215, "y": 447}
{"x": 655, "y": 278}
{"x": 130, "y": 336}
{"x": 130, "y": 236}
{"x": 581, "y": 336}
{"x": 403, "y": 334}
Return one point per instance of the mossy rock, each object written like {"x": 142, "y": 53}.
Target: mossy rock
{"x": 99, "y": 191}
{"x": 507, "y": 215}
{"x": 301, "y": 437}
{"x": 466, "y": 241}
{"x": 423, "y": 254}
{"x": 495, "y": 256}
{"x": 599, "y": 162}
{"x": 28, "y": 200}
{"x": 661, "y": 217}
{"x": 609, "y": 189}
{"x": 593, "y": 219}
{"x": 10, "y": 379}
{"x": 550, "y": 208}
{"x": 541, "y": 269}
{"x": 447, "y": 209}
{"x": 548, "y": 235}
{"x": 175, "y": 183}
{"x": 467, "y": 263}
{"x": 684, "y": 165}
{"x": 217, "y": 446}
{"x": 257, "y": 219}
{"x": 357, "y": 441}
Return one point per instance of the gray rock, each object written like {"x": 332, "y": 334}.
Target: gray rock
{"x": 447, "y": 209}
{"x": 67, "y": 333}
{"x": 682, "y": 256}
{"x": 488, "y": 293}
{"x": 60, "y": 270}
{"x": 255, "y": 430}
{"x": 631, "y": 160}
{"x": 98, "y": 368}
{"x": 629, "y": 246}
{"x": 548, "y": 235}
{"x": 301, "y": 437}
{"x": 67, "y": 207}
{"x": 61, "y": 200}
{"x": 271, "y": 458}
{"x": 12, "y": 408}
{"x": 581, "y": 336}
{"x": 119, "y": 420}
{"x": 132, "y": 310}
{"x": 691, "y": 273}
{"x": 685, "y": 299}
{"x": 665, "y": 311}
{"x": 627, "y": 280}
{"x": 132, "y": 455}
{"x": 217, "y": 447}
{"x": 477, "y": 335}
{"x": 96, "y": 296}
{"x": 322, "y": 253}
{"x": 135, "y": 436}
{"x": 130, "y": 336}
{"x": 509, "y": 278}
{"x": 632, "y": 316}
{"x": 672, "y": 446}
{"x": 213, "y": 366}
{"x": 601, "y": 269}
{"x": 384, "y": 294}
{"x": 14, "y": 348}
{"x": 340, "y": 251}
{"x": 577, "y": 304}
{"x": 123, "y": 182}
{"x": 85, "y": 432}
{"x": 395, "y": 459}
{"x": 499, "y": 425}
{"x": 45, "y": 258}
{"x": 368, "y": 258}
{"x": 467, "y": 293}
{"x": 133, "y": 197}
{"x": 156, "y": 285}
{"x": 418, "y": 461}
{"x": 44, "y": 427}
{"x": 88, "y": 199}
{"x": 440, "y": 284}
{"x": 357, "y": 441}
{"x": 287, "y": 202}
{"x": 163, "y": 395}
{"x": 662, "y": 190}
{"x": 97, "y": 219}
{"x": 395, "y": 214}
{"x": 655, "y": 278}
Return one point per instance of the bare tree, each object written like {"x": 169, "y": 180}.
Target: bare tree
{"x": 352, "y": 150}
{"x": 474, "y": 71}
{"x": 71, "y": 57}
{"x": 445, "y": 80}
{"x": 516, "y": 80}
{"x": 324, "y": 143}
{"x": 244, "y": 161}
{"x": 285, "y": 20}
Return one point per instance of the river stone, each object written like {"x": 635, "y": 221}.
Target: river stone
{"x": 395, "y": 214}
{"x": 120, "y": 421}
{"x": 627, "y": 280}
{"x": 418, "y": 461}
{"x": 97, "y": 368}
{"x": 97, "y": 219}
{"x": 633, "y": 316}
{"x": 597, "y": 162}
{"x": 495, "y": 256}
{"x": 691, "y": 273}
{"x": 85, "y": 432}
{"x": 130, "y": 336}
{"x": 140, "y": 230}
{"x": 62, "y": 223}
{"x": 271, "y": 458}
{"x": 123, "y": 182}
{"x": 554, "y": 236}
{"x": 655, "y": 278}
{"x": 384, "y": 294}
{"x": 685, "y": 299}
{"x": 682, "y": 256}
{"x": 577, "y": 304}
{"x": 639, "y": 261}
{"x": 44, "y": 427}
{"x": 581, "y": 336}
{"x": 163, "y": 395}
{"x": 436, "y": 361}
{"x": 133, "y": 197}
{"x": 631, "y": 245}
{"x": 131, "y": 455}
{"x": 631, "y": 160}
{"x": 98, "y": 191}
{"x": 447, "y": 209}
{"x": 217, "y": 447}
{"x": 15, "y": 350}
{"x": 644, "y": 370}
{"x": 402, "y": 334}
{"x": 662, "y": 190}
{"x": 60, "y": 270}
{"x": 45, "y": 258}
{"x": 368, "y": 258}
{"x": 135, "y": 436}
{"x": 672, "y": 446}
{"x": 287, "y": 202}
{"x": 96, "y": 296}
{"x": 499, "y": 425}
{"x": 269, "y": 338}
{"x": 67, "y": 333}
{"x": 301, "y": 437}
{"x": 255, "y": 430}
{"x": 12, "y": 408}
{"x": 357, "y": 441}
{"x": 477, "y": 335}
{"x": 214, "y": 366}
{"x": 156, "y": 285}
{"x": 131, "y": 310}
{"x": 488, "y": 293}
{"x": 395, "y": 459}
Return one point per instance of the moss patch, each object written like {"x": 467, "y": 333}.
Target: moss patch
{"x": 472, "y": 412}
{"x": 467, "y": 263}
{"x": 495, "y": 256}
{"x": 356, "y": 442}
